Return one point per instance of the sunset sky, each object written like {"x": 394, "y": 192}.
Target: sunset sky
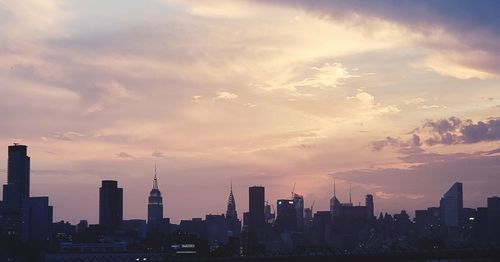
{"x": 398, "y": 98}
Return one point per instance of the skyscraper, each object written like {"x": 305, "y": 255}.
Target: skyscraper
{"x": 18, "y": 177}
{"x": 155, "y": 205}
{"x": 110, "y": 205}
{"x": 369, "y": 206}
{"x": 233, "y": 223}
{"x": 22, "y": 216}
{"x": 451, "y": 206}
{"x": 16, "y": 189}
{"x": 256, "y": 207}
{"x": 334, "y": 203}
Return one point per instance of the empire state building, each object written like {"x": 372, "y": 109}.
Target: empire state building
{"x": 155, "y": 204}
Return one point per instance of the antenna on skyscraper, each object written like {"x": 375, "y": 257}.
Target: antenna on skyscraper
{"x": 155, "y": 181}
{"x": 293, "y": 189}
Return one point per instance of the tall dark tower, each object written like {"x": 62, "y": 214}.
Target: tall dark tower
{"x": 18, "y": 177}
{"x": 16, "y": 190}
{"x": 369, "y": 206}
{"x": 233, "y": 223}
{"x": 23, "y": 217}
{"x": 451, "y": 206}
{"x": 110, "y": 205}
{"x": 256, "y": 208}
{"x": 155, "y": 204}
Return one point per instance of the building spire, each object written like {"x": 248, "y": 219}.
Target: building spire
{"x": 155, "y": 181}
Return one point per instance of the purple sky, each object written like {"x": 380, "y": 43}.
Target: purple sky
{"x": 398, "y": 98}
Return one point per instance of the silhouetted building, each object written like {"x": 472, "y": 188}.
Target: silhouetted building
{"x": 37, "y": 219}
{"x": 298, "y": 202}
{"x": 110, "y": 205}
{"x": 369, "y": 206}
{"x": 23, "y": 217}
{"x": 16, "y": 189}
{"x": 233, "y": 223}
{"x": 195, "y": 226}
{"x": 286, "y": 215}
{"x": 322, "y": 228}
{"x": 18, "y": 177}
{"x": 308, "y": 217}
{"x": 334, "y": 203}
{"x": 82, "y": 226}
{"x": 268, "y": 214}
{"x": 134, "y": 227}
{"x": 155, "y": 206}
{"x": 494, "y": 219}
{"x": 451, "y": 206}
{"x": 216, "y": 229}
{"x": 63, "y": 231}
{"x": 256, "y": 208}
{"x": 481, "y": 225}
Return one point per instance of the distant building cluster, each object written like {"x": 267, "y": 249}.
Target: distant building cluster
{"x": 288, "y": 227}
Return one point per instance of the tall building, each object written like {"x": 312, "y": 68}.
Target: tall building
{"x": 234, "y": 224}
{"x": 256, "y": 207}
{"x": 334, "y": 203}
{"x": 110, "y": 205}
{"x": 21, "y": 216}
{"x": 18, "y": 177}
{"x": 451, "y": 206}
{"x": 155, "y": 204}
{"x": 369, "y": 206}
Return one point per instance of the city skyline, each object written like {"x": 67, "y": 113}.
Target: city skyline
{"x": 398, "y": 100}
{"x": 110, "y": 205}
{"x": 290, "y": 227}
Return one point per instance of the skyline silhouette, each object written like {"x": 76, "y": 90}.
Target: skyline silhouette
{"x": 376, "y": 105}
{"x": 398, "y": 102}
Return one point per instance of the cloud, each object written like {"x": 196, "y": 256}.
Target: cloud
{"x": 66, "y": 136}
{"x": 450, "y": 131}
{"x": 158, "y": 154}
{"x": 124, "y": 155}
{"x": 196, "y": 99}
{"x": 328, "y": 75}
{"x": 366, "y": 102}
{"x": 455, "y": 131}
{"x": 409, "y": 146}
{"x": 432, "y": 107}
{"x": 225, "y": 96}
{"x": 481, "y": 131}
{"x": 463, "y": 35}
{"x": 415, "y": 101}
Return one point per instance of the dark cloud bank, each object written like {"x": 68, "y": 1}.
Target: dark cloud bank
{"x": 449, "y": 131}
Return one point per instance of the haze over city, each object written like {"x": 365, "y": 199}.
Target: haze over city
{"x": 394, "y": 100}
